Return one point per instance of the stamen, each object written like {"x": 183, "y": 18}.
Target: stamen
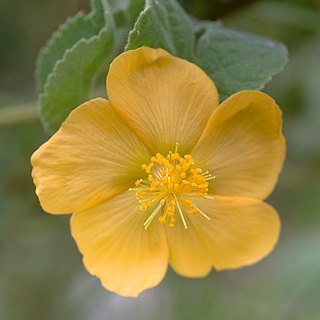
{"x": 201, "y": 212}
{"x": 170, "y": 183}
{"x": 176, "y": 150}
{"x": 181, "y": 214}
{"x": 151, "y": 217}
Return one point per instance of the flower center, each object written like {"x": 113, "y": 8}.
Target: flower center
{"x": 171, "y": 183}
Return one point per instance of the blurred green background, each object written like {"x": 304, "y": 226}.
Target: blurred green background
{"x": 41, "y": 273}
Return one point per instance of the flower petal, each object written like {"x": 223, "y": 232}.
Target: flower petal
{"x": 243, "y": 146}
{"x": 162, "y": 98}
{"x": 188, "y": 255}
{"x": 117, "y": 249}
{"x": 92, "y": 157}
{"x": 241, "y": 232}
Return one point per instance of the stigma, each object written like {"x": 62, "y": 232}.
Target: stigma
{"x": 170, "y": 185}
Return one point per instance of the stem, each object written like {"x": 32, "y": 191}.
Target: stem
{"x": 18, "y": 114}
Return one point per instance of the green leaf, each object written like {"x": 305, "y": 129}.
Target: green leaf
{"x": 163, "y": 24}
{"x": 135, "y": 7}
{"x": 238, "y": 61}
{"x": 129, "y": 9}
{"x": 69, "y": 83}
{"x": 74, "y": 29}
{"x": 125, "y": 13}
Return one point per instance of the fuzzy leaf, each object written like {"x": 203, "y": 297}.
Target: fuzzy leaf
{"x": 125, "y": 13}
{"x": 163, "y": 24}
{"x": 74, "y": 29}
{"x": 238, "y": 61}
{"x": 126, "y": 9}
{"x": 69, "y": 83}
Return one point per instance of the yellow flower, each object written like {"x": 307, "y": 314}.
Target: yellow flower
{"x": 160, "y": 174}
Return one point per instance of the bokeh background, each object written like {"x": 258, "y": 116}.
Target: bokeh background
{"x": 41, "y": 273}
